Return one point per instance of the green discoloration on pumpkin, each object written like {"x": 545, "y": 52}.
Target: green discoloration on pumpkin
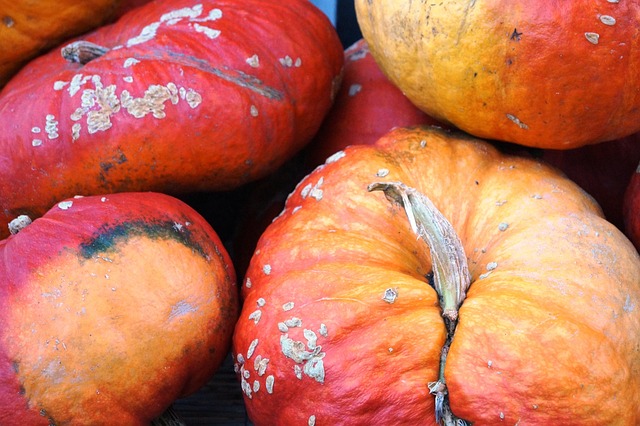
{"x": 109, "y": 237}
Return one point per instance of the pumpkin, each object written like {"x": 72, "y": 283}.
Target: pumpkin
{"x": 174, "y": 97}
{"x": 532, "y": 301}
{"x": 547, "y": 74}
{"x": 112, "y": 307}
{"x": 28, "y": 28}
{"x": 366, "y": 106}
{"x": 631, "y": 208}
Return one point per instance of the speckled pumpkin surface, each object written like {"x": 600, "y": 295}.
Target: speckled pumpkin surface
{"x": 341, "y": 325}
{"x": 549, "y": 74}
{"x": 111, "y": 308}
{"x": 176, "y": 96}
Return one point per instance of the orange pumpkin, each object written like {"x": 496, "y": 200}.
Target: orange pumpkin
{"x": 28, "y": 28}
{"x": 111, "y": 308}
{"x": 547, "y": 74}
{"x": 342, "y": 322}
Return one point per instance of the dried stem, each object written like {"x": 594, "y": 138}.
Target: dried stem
{"x": 82, "y": 51}
{"x": 450, "y": 273}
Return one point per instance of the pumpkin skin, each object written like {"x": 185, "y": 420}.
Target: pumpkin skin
{"x": 366, "y": 106}
{"x": 550, "y": 75}
{"x": 182, "y": 102}
{"x": 112, "y": 308}
{"x": 631, "y": 208}
{"x": 31, "y": 27}
{"x": 552, "y": 311}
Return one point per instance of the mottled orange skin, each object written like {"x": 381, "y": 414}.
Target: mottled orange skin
{"x": 30, "y": 27}
{"x": 111, "y": 310}
{"x": 223, "y": 117}
{"x": 517, "y": 71}
{"x": 549, "y": 332}
{"x": 631, "y": 208}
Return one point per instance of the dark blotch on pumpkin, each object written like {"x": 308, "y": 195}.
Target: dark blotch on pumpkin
{"x": 109, "y": 236}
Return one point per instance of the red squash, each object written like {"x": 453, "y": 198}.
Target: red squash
{"x": 367, "y": 106}
{"x": 111, "y": 308}
{"x": 174, "y": 97}
{"x": 342, "y": 320}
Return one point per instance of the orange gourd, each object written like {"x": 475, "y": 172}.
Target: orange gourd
{"x": 111, "y": 308}
{"x": 347, "y": 310}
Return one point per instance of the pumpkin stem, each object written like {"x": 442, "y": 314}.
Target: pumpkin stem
{"x": 450, "y": 270}
{"x": 450, "y": 273}
{"x": 19, "y": 223}
{"x": 168, "y": 418}
{"x": 82, "y": 51}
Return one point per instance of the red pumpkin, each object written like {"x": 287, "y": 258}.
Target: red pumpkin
{"x": 173, "y": 97}
{"x": 341, "y": 323}
{"x": 631, "y": 208}
{"x": 367, "y": 106}
{"x": 545, "y": 74}
{"x": 112, "y": 307}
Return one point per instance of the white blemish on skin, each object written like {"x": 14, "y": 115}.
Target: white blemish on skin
{"x": 503, "y": 226}
{"x": 335, "y": 157}
{"x": 209, "y": 32}
{"x": 127, "y": 79}
{"x": 255, "y": 316}
{"x": 323, "y": 330}
{"x": 592, "y": 37}
{"x": 129, "y": 62}
{"x": 59, "y": 85}
{"x": 283, "y": 327}
{"x": 253, "y": 61}
{"x": 240, "y": 359}
{"x": 313, "y": 191}
{"x": 182, "y": 308}
{"x": 75, "y": 131}
{"x": 382, "y": 173}
{"x": 311, "y": 421}
{"x": 260, "y": 365}
{"x": 288, "y": 306}
{"x": 297, "y": 371}
{"x": 253, "y": 111}
{"x": 517, "y": 121}
{"x": 491, "y": 266}
{"x": 51, "y": 126}
{"x": 269, "y": 384}
{"x": 390, "y": 295}
{"x": 76, "y": 83}
{"x": 354, "y": 89}
{"x": 298, "y": 63}
{"x": 247, "y": 282}
{"x": 266, "y": 269}
{"x": 256, "y": 386}
{"x": 629, "y": 306}
{"x": 314, "y": 368}
{"x": 293, "y": 322}
{"x": 607, "y": 20}
{"x": 147, "y": 33}
{"x": 36, "y": 129}
{"x": 286, "y": 61}
{"x": 252, "y": 348}
{"x": 260, "y": 302}
{"x": 312, "y": 338}
{"x": 65, "y": 205}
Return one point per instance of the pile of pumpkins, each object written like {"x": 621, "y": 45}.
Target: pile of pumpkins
{"x": 438, "y": 225}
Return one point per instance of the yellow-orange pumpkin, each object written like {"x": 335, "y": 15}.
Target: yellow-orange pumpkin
{"x": 549, "y": 74}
